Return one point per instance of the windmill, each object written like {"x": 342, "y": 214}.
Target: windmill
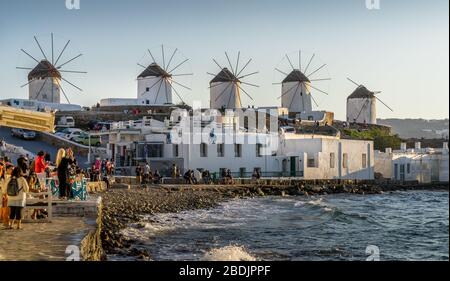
{"x": 361, "y": 105}
{"x": 227, "y": 85}
{"x": 45, "y": 79}
{"x": 299, "y": 82}
{"x": 160, "y": 78}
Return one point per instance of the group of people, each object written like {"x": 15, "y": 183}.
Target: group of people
{"x": 28, "y": 176}
{"x": 101, "y": 169}
{"x": 145, "y": 175}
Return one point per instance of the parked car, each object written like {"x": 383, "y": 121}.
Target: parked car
{"x": 23, "y": 134}
{"x": 69, "y": 133}
{"x": 83, "y": 138}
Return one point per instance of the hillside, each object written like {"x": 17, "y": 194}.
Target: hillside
{"x": 418, "y": 128}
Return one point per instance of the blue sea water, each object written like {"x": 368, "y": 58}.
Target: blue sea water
{"x": 409, "y": 225}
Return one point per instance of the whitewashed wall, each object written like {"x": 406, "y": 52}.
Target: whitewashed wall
{"x": 368, "y": 113}
{"x": 220, "y": 95}
{"x": 152, "y": 96}
{"x": 292, "y": 98}
{"x": 45, "y": 94}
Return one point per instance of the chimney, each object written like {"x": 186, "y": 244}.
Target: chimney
{"x": 403, "y": 146}
{"x": 445, "y": 145}
{"x": 388, "y": 150}
{"x": 417, "y": 145}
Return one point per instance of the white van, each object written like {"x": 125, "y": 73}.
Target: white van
{"x": 66, "y": 121}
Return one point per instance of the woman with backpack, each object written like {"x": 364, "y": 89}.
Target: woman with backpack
{"x": 16, "y": 189}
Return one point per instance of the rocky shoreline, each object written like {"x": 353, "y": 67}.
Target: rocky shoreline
{"x": 121, "y": 207}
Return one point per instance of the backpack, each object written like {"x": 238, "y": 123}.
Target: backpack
{"x": 13, "y": 187}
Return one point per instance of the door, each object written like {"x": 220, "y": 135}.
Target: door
{"x": 402, "y": 172}
{"x": 293, "y": 166}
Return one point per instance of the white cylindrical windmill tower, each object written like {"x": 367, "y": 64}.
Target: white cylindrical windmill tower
{"x": 296, "y": 94}
{"x": 154, "y": 86}
{"x": 225, "y": 91}
{"x": 361, "y": 106}
{"x": 44, "y": 83}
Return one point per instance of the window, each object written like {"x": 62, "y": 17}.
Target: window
{"x": 345, "y": 161}
{"x": 203, "y": 150}
{"x": 396, "y": 171}
{"x": 150, "y": 150}
{"x": 311, "y": 163}
{"x": 147, "y": 89}
{"x": 258, "y": 150}
{"x": 237, "y": 150}
{"x": 408, "y": 168}
{"x": 242, "y": 172}
{"x": 364, "y": 160}
{"x": 220, "y": 150}
{"x": 176, "y": 151}
{"x": 332, "y": 160}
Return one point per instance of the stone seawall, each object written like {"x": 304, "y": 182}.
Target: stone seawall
{"x": 91, "y": 246}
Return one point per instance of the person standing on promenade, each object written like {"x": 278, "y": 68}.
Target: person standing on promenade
{"x": 16, "y": 189}
{"x": 138, "y": 174}
{"x": 4, "y": 210}
{"x": 62, "y": 163}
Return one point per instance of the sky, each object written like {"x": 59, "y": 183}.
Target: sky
{"x": 401, "y": 49}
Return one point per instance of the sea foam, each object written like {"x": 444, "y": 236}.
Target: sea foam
{"x": 228, "y": 253}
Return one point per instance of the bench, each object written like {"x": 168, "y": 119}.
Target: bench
{"x": 39, "y": 200}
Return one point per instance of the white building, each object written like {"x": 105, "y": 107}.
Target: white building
{"x": 415, "y": 164}
{"x": 295, "y": 93}
{"x": 40, "y": 105}
{"x": 274, "y": 154}
{"x": 361, "y": 106}
{"x": 225, "y": 91}
{"x": 44, "y": 83}
{"x": 154, "y": 87}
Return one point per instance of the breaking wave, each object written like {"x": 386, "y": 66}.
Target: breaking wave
{"x": 228, "y": 253}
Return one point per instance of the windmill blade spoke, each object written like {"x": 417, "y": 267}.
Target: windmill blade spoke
{"x": 317, "y": 89}
{"x": 60, "y": 54}
{"x": 317, "y": 70}
{"x": 385, "y": 104}
{"x": 72, "y": 59}
{"x": 282, "y": 72}
{"x": 151, "y": 55}
{"x": 163, "y": 57}
{"x": 141, "y": 66}
{"x": 247, "y": 75}
{"x": 245, "y": 92}
{"x": 314, "y": 100}
{"x": 30, "y": 56}
{"x": 76, "y": 87}
{"x": 53, "y": 58}
{"x": 237, "y": 61}
{"x": 170, "y": 60}
{"x": 223, "y": 91}
{"x": 212, "y": 74}
{"x": 27, "y": 68}
{"x": 249, "y": 84}
{"x": 353, "y": 82}
{"x": 62, "y": 90}
{"x": 73, "y": 71}
{"x": 239, "y": 73}
{"x": 180, "y": 64}
{"x": 159, "y": 88}
{"x": 183, "y": 74}
{"x": 34, "y": 79}
{"x": 229, "y": 62}
{"x": 179, "y": 84}
{"x": 215, "y": 85}
{"x": 309, "y": 63}
{"x": 176, "y": 92}
{"x": 320, "y": 79}
{"x": 289, "y": 60}
{"x": 377, "y": 92}
{"x": 287, "y": 91}
{"x": 300, "y": 60}
{"x": 42, "y": 87}
{"x": 40, "y": 48}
